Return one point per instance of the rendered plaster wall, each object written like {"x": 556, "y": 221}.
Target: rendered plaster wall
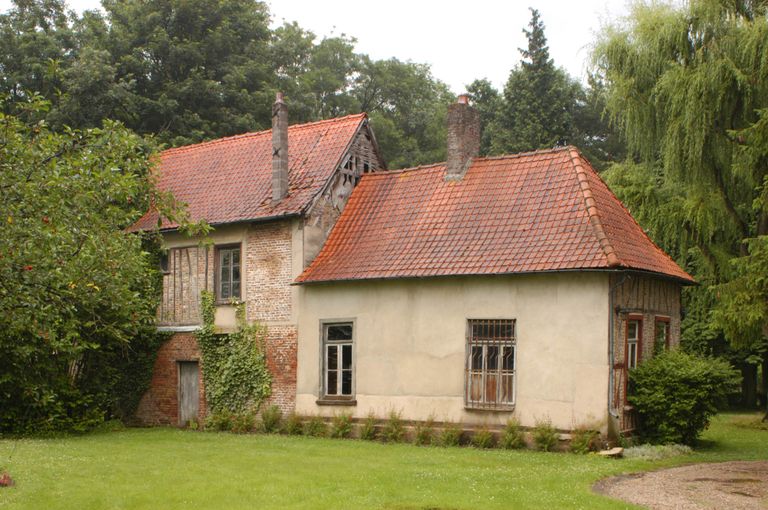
{"x": 410, "y": 341}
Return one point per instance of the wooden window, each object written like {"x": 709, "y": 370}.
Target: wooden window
{"x": 228, "y": 272}
{"x": 490, "y": 364}
{"x": 338, "y": 365}
{"x": 633, "y": 344}
{"x": 661, "y": 335}
{"x": 164, "y": 267}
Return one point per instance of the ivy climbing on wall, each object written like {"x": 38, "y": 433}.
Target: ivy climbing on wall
{"x": 234, "y": 364}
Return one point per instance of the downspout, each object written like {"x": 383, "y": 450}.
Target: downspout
{"x": 611, "y": 341}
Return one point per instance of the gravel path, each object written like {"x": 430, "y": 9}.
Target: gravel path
{"x": 722, "y": 486}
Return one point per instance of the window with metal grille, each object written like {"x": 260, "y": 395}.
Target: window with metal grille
{"x": 338, "y": 371}
{"x": 228, "y": 273}
{"x": 490, "y": 364}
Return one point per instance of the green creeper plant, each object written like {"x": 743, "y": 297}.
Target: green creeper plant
{"x": 235, "y": 371}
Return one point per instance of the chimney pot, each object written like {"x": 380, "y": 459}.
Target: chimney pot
{"x": 463, "y": 138}
{"x": 279, "y": 148}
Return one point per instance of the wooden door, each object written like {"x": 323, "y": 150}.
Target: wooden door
{"x": 189, "y": 397}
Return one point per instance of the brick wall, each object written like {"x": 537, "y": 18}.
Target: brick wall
{"x": 281, "y": 361}
{"x": 268, "y": 272}
{"x": 160, "y": 404}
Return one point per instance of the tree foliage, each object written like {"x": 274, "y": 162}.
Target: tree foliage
{"x": 539, "y": 99}
{"x": 687, "y": 86}
{"x": 78, "y": 293}
{"x": 190, "y": 71}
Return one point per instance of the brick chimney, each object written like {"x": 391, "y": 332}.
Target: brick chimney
{"x": 463, "y": 137}
{"x": 279, "y": 148}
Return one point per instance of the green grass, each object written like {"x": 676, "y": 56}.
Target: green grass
{"x": 170, "y": 469}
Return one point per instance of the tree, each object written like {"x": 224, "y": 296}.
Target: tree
{"x": 78, "y": 292}
{"x": 539, "y": 99}
{"x": 687, "y": 87}
{"x": 487, "y": 101}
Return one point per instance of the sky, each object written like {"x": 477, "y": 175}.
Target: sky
{"x": 461, "y": 42}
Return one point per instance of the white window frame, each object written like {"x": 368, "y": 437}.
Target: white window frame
{"x": 473, "y": 376}
{"x": 634, "y": 343}
{"x": 325, "y": 345}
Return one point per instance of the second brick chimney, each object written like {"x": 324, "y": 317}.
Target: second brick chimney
{"x": 279, "y": 148}
{"x": 463, "y": 138}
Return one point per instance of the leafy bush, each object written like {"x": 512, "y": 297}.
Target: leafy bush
{"x": 271, "y": 418}
{"x": 219, "y": 421}
{"x": 293, "y": 425}
{"x": 512, "y": 437}
{"x": 483, "y": 438}
{"x": 394, "y": 430}
{"x": 544, "y": 435}
{"x": 242, "y": 423}
{"x": 675, "y": 394}
{"x": 368, "y": 428}
{"x": 585, "y": 439}
{"x": 341, "y": 426}
{"x": 451, "y": 435}
{"x": 315, "y": 427}
{"x": 424, "y": 433}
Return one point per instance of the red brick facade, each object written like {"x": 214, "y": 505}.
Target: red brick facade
{"x": 160, "y": 405}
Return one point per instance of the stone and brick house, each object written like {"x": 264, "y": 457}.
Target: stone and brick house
{"x": 271, "y": 198}
{"x": 470, "y": 291}
{"x": 484, "y": 288}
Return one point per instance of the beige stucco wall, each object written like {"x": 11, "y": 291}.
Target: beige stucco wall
{"x": 410, "y": 345}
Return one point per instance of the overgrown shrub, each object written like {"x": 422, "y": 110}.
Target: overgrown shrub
{"x": 271, "y": 418}
{"x": 293, "y": 425}
{"x": 545, "y": 436}
{"x": 394, "y": 429}
{"x": 341, "y": 426}
{"x": 675, "y": 394}
{"x": 368, "y": 428}
{"x": 242, "y": 423}
{"x": 512, "y": 437}
{"x": 220, "y": 422}
{"x": 424, "y": 432}
{"x": 585, "y": 439}
{"x": 483, "y": 438}
{"x": 451, "y": 435}
{"x": 315, "y": 427}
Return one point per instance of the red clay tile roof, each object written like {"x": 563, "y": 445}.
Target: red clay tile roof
{"x": 229, "y": 179}
{"x": 531, "y": 212}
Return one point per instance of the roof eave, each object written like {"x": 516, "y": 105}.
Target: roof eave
{"x": 654, "y": 274}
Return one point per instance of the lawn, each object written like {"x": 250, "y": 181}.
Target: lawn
{"x": 170, "y": 469}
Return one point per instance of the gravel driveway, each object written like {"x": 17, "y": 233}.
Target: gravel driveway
{"x": 722, "y": 486}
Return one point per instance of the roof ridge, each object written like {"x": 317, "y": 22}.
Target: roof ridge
{"x": 591, "y": 206}
{"x": 382, "y": 173}
{"x": 552, "y": 150}
{"x": 250, "y": 134}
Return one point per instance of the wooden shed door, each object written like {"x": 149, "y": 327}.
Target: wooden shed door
{"x": 189, "y": 398}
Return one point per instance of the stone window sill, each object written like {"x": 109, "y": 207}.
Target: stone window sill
{"x": 498, "y": 409}
{"x": 336, "y": 402}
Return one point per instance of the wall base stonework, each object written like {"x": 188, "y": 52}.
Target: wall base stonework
{"x": 160, "y": 404}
